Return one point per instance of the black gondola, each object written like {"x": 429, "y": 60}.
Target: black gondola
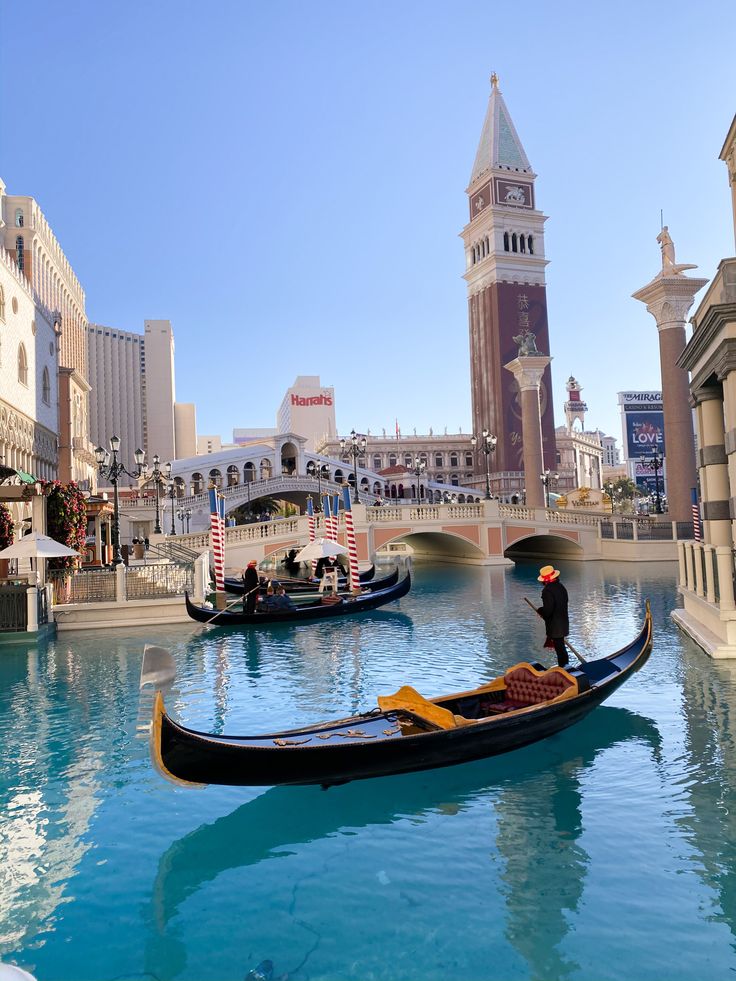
{"x": 322, "y": 609}
{"x": 299, "y": 585}
{"x": 406, "y": 733}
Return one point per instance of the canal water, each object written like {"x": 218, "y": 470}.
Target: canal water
{"x": 608, "y": 851}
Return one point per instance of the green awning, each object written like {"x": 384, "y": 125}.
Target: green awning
{"x": 26, "y": 478}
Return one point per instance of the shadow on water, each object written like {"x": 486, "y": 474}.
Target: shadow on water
{"x": 273, "y": 824}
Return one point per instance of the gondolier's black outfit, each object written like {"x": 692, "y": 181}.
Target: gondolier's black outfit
{"x": 554, "y": 613}
{"x": 250, "y": 584}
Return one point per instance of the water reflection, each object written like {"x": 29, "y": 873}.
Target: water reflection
{"x": 539, "y": 797}
{"x": 709, "y": 704}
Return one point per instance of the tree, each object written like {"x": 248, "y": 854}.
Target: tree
{"x": 625, "y": 491}
{"x": 6, "y": 526}
{"x": 66, "y": 518}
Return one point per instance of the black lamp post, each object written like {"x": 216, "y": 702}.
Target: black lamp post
{"x": 419, "y": 470}
{"x": 487, "y": 443}
{"x": 171, "y": 495}
{"x": 321, "y": 472}
{"x": 657, "y": 463}
{"x": 110, "y": 467}
{"x": 354, "y": 446}
{"x": 546, "y": 477}
{"x": 609, "y": 488}
{"x": 180, "y": 516}
{"x": 157, "y": 474}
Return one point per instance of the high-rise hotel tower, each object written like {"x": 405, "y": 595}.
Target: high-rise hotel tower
{"x": 505, "y": 263}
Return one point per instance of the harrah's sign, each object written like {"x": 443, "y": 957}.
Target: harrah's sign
{"x": 311, "y": 400}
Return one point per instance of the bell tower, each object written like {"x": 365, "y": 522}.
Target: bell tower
{"x": 505, "y": 275}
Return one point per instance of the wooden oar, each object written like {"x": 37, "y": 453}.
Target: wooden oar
{"x": 240, "y": 599}
{"x": 577, "y": 653}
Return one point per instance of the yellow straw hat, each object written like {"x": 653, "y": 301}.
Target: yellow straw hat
{"x": 548, "y": 573}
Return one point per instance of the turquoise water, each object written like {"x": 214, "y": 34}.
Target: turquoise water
{"x": 605, "y": 852}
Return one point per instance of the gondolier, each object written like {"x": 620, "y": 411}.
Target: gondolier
{"x": 250, "y": 586}
{"x": 554, "y": 612}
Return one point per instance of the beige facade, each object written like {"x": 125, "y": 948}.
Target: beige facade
{"x": 448, "y": 459}
{"x": 159, "y": 389}
{"x": 30, "y": 242}
{"x": 308, "y": 408}
{"x": 116, "y": 402}
{"x": 29, "y": 396}
{"x": 707, "y": 565}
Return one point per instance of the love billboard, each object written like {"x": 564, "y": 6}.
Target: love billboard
{"x": 644, "y": 434}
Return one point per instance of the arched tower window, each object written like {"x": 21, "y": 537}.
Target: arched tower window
{"x": 46, "y": 387}
{"x": 19, "y": 255}
{"x": 18, "y": 217}
{"x": 522, "y": 243}
{"x": 506, "y": 241}
{"x": 514, "y": 243}
{"x": 531, "y": 245}
{"x": 22, "y": 365}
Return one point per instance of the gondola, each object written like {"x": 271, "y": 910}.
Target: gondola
{"x": 296, "y": 585}
{"x": 406, "y": 732}
{"x": 321, "y": 609}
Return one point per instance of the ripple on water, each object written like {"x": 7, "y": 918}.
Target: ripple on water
{"x": 610, "y": 844}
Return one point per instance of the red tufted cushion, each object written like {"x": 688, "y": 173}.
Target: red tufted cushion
{"x": 524, "y": 687}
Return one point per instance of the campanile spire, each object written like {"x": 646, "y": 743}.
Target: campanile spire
{"x": 505, "y": 275}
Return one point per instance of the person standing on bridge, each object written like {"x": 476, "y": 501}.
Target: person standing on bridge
{"x": 251, "y": 583}
{"x": 554, "y": 612}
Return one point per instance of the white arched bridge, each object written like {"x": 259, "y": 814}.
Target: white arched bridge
{"x": 484, "y": 533}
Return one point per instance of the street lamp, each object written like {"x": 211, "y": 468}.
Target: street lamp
{"x": 321, "y": 472}
{"x": 657, "y": 463}
{"x": 546, "y": 477}
{"x": 486, "y": 442}
{"x": 418, "y": 470}
{"x": 353, "y": 446}
{"x": 609, "y": 488}
{"x": 157, "y": 474}
{"x": 171, "y": 495}
{"x": 111, "y": 468}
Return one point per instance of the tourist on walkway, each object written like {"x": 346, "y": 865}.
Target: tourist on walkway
{"x": 250, "y": 585}
{"x": 554, "y": 612}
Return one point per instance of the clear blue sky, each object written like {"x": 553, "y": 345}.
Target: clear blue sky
{"x": 285, "y": 182}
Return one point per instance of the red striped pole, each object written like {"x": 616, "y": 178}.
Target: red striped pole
{"x": 310, "y": 525}
{"x": 217, "y": 541}
{"x": 352, "y": 546}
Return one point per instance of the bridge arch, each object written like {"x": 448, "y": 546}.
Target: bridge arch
{"x": 553, "y": 546}
{"x": 437, "y": 544}
{"x": 289, "y": 457}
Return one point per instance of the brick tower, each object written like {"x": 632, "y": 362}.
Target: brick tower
{"x": 505, "y": 263}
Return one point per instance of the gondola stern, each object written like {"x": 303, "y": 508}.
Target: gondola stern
{"x": 156, "y": 745}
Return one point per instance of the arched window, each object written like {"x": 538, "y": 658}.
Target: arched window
{"x": 18, "y": 217}
{"x": 233, "y": 476}
{"x": 522, "y": 243}
{"x": 392, "y": 459}
{"x": 2, "y": 304}
{"x": 438, "y": 461}
{"x": 408, "y": 460}
{"x": 453, "y": 460}
{"x": 19, "y": 254}
{"x": 506, "y": 241}
{"x": 530, "y": 241}
{"x": 266, "y": 469}
{"x": 514, "y": 243}
{"x": 249, "y": 472}
{"x": 376, "y": 461}
{"x": 215, "y": 477}
{"x": 46, "y": 387}
{"x": 179, "y": 486}
{"x": 22, "y": 365}
{"x": 197, "y": 483}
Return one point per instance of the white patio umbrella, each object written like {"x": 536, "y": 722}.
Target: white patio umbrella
{"x": 35, "y": 546}
{"x": 320, "y": 548}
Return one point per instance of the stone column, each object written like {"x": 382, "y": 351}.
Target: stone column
{"x": 713, "y": 463}
{"x": 668, "y": 298}
{"x": 528, "y": 370}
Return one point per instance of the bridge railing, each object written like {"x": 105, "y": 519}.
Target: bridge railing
{"x": 423, "y": 512}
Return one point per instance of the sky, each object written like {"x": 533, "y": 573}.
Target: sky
{"x": 286, "y": 181}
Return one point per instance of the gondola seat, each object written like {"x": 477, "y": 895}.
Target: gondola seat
{"x": 525, "y": 685}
